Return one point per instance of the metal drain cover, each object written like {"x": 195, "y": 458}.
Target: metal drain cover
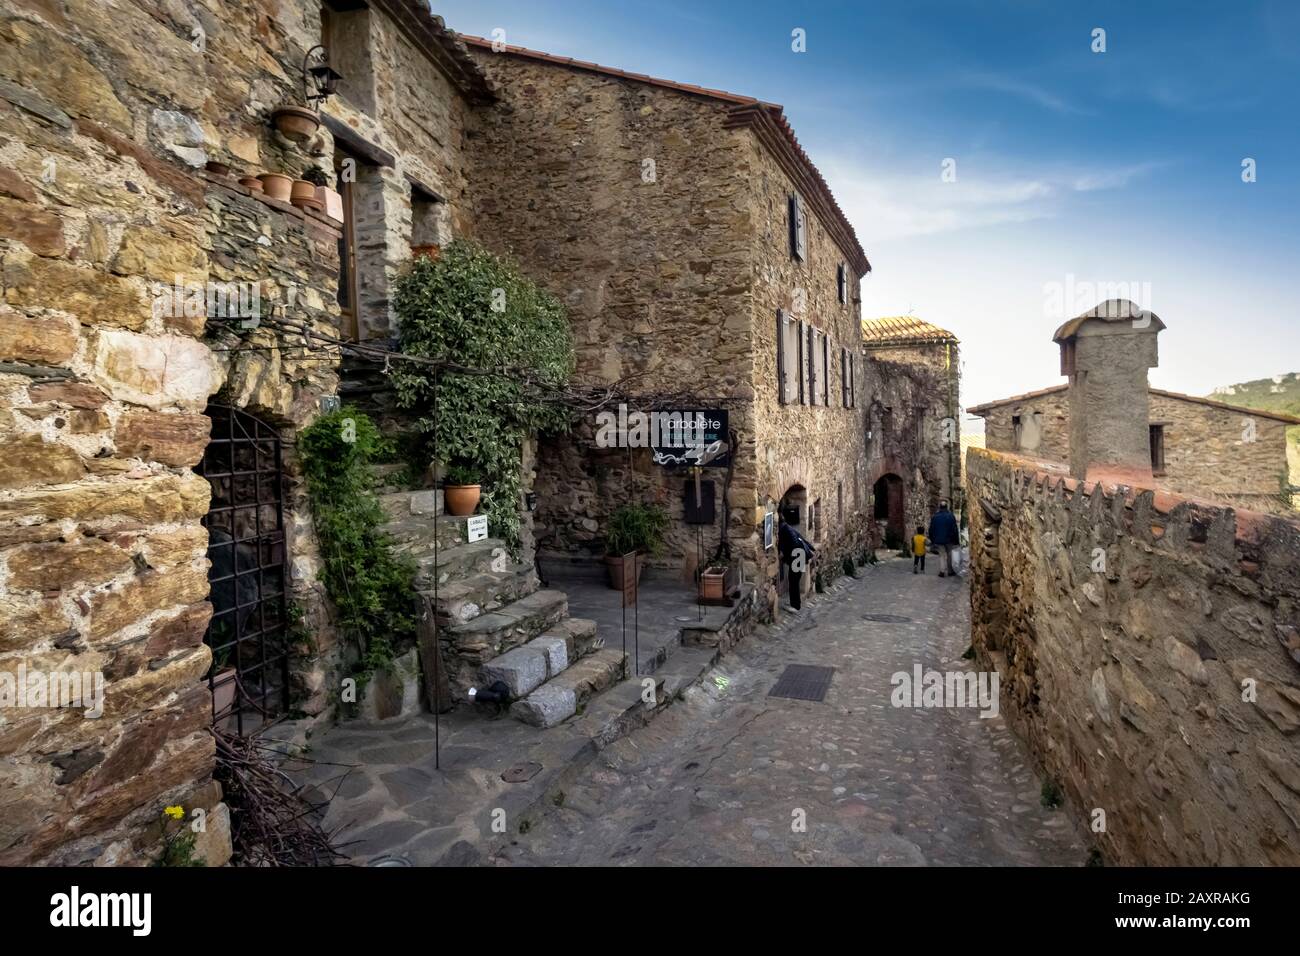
{"x": 803, "y": 682}
{"x": 521, "y": 772}
{"x": 887, "y": 618}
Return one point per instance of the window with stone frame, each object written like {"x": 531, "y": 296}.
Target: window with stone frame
{"x": 798, "y": 228}
{"x": 428, "y": 212}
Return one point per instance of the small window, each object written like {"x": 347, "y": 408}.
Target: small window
{"x": 839, "y": 498}
{"x": 815, "y": 517}
{"x": 787, "y": 358}
{"x": 798, "y": 228}
{"x": 842, "y": 283}
{"x": 427, "y": 213}
{"x": 1015, "y": 430}
{"x": 1157, "y": 449}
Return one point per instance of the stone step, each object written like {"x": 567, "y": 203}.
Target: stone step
{"x": 526, "y": 668}
{"x": 415, "y": 533}
{"x": 561, "y": 696}
{"x": 579, "y": 634}
{"x": 462, "y": 561}
{"x": 403, "y": 504}
{"x": 479, "y": 640}
{"x": 466, "y": 598}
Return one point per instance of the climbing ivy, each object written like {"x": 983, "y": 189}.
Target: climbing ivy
{"x": 477, "y": 310}
{"x": 370, "y": 585}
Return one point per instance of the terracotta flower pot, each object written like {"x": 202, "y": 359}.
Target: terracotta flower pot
{"x": 713, "y": 583}
{"x": 296, "y": 122}
{"x": 461, "y": 500}
{"x": 223, "y": 692}
{"x": 251, "y": 183}
{"x": 302, "y": 193}
{"x": 277, "y": 186}
{"x": 614, "y": 564}
{"x": 331, "y": 202}
{"x": 431, "y": 251}
{"x": 218, "y": 168}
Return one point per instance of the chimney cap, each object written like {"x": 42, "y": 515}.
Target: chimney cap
{"x": 1112, "y": 310}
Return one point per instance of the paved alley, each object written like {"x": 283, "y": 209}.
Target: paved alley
{"x": 726, "y": 776}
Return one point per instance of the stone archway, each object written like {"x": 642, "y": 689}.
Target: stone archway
{"x": 890, "y": 508}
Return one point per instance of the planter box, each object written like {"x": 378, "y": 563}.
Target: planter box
{"x": 713, "y": 586}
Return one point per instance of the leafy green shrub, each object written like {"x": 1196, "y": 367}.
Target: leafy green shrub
{"x": 636, "y": 528}
{"x": 479, "y": 311}
{"x": 372, "y": 587}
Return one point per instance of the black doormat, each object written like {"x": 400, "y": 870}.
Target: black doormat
{"x": 803, "y": 682}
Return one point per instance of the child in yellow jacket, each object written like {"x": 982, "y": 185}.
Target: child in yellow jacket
{"x": 919, "y": 543}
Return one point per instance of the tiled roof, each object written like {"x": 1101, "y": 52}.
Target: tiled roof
{"x": 981, "y": 410}
{"x": 902, "y": 329}
{"x": 441, "y": 45}
{"x": 767, "y": 120}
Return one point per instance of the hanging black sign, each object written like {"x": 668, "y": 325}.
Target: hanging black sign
{"x": 691, "y": 438}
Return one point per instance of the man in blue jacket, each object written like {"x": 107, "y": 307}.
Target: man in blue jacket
{"x": 945, "y": 536}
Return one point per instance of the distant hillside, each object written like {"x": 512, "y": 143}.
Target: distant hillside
{"x": 1281, "y": 393}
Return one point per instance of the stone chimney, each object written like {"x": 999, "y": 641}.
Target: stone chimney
{"x": 1106, "y": 353}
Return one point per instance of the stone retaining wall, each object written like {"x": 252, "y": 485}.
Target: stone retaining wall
{"x": 1149, "y": 650}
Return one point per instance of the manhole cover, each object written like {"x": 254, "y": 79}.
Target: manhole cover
{"x": 521, "y": 772}
{"x": 887, "y": 618}
{"x": 803, "y": 682}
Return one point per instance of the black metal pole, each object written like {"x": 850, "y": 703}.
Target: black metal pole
{"x": 437, "y": 648}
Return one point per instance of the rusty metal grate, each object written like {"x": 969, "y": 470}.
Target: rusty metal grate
{"x": 248, "y": 632}
{"x": 803, "y": 682}
{"x": 887, "y": 618}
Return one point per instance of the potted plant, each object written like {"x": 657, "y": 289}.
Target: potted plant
{"x": 430, "y": 250}
{"x": 296, "y": 122}
{"x": 276, "y": 186}
{"x": 251, "y": 183}
{"x": 632, "y": 528}
{"x": 461, "y": 490}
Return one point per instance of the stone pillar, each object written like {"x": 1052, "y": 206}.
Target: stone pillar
{"x": 1106, "y": 353}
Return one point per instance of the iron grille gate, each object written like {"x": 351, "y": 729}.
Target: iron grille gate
{"x": 248, "y": 633}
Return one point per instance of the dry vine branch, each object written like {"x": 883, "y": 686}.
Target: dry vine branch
{"x": 272, "y": 822}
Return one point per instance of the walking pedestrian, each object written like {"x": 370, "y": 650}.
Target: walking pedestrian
{"x": 796, "y": 554}
{"x": 918, "y": 550}
{"x": 944, "y": 536}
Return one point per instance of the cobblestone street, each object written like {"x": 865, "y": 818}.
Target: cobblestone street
{"x": 723, "y": 777}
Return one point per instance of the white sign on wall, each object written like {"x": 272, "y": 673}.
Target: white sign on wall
{"x": 477, "y": 527}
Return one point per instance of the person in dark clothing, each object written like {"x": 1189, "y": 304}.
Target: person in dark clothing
{"x": 944, "y": 536}
{"x": 797, "y": 553}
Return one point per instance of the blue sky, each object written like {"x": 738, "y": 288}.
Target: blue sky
{"x": 1074, "y": 169}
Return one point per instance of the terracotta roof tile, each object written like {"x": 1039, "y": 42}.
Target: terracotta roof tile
{"x": 903, "y": 328}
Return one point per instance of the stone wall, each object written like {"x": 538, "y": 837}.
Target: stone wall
{"x": 107, "y": 118}
{"x": 1149, "y": 655}
{"x": 1206, "y": 453}
{"x": 654, "y": 271}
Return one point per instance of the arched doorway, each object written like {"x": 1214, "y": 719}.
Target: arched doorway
{"x": 249, "y": 678}
{"x": 794, "y": 509}
{"x": 890, "y": 509}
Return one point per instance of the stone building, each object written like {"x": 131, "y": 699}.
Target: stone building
{"x": 1191, "y": 445}
{"x": 1145, "y": 640}
{"x": 699, "y": 251}
{"x": 147, "y": 435}
{"x": 911, "y": 384}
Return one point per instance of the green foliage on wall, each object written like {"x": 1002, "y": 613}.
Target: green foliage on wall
{"x": 372, "y": 587}
{"x": 477, "y": 310}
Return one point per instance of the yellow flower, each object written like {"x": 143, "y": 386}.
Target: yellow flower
{"x": 176, "y": 813}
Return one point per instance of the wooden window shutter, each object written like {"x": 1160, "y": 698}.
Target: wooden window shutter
{"x": 841, "y": 283}
{"x": 844, "y": 377}
{"x": 812, "y": 365}
{"x": 781, "y": 320}
{"x": 797, "y": 227}
{"x": 826, "y": 370}
{"x": 803, "y": 391}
